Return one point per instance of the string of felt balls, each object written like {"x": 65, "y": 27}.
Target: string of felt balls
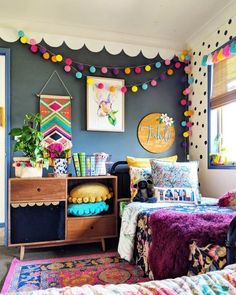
{"x": 184, "y": 58}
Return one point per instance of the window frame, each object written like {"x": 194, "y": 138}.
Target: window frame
{"x": 209, "y": 88}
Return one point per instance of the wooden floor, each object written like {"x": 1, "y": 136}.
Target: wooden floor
{"x": 7, "y": 254}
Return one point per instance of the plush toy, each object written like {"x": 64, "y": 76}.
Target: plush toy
{"x": 145, "y": 191}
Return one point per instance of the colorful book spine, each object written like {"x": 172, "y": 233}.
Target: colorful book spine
{"x": 93, "y": 165}
{"x": 88, "y": 165}
{"x": 76, "y": 164}
{"x": 82, "y": 164}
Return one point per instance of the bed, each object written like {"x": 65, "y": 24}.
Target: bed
{"x": 137, "y": 241}
{"x": 217, "y": 282}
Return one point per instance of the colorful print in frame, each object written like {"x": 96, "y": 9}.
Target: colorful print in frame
{"x": 105, "y": 104}
{"x": 156, "y": 132}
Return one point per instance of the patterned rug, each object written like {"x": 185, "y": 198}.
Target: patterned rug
{"x": 105, "y": 268}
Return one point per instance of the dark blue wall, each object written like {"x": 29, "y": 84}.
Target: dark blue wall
{"x": 29, "y": 72}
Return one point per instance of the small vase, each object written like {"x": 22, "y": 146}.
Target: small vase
{"x": 60, "y": 167}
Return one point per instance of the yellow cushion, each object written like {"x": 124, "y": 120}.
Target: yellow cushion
{"x": 89, "y": 193}
{"x": 145, "y": 162}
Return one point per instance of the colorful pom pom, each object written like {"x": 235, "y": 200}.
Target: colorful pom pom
{"x": 147, "y": 68}
{"x": 189, "y": 124}
{"x": 145, "y": 86}
{"x": 67, "y": 68}
{"x": 100, "y": 85}
{"x": 53, "y": 58}
{"x": 23, "y": 40}
{"x": 134, "y": 88}
{"x": 68, "y": 61}
{"x": 92, "y": 69}
{"x": 32, "y": 41}
{"x": 183, "y": 102}
{"x": 116, "y": 71}
{"x": 46, "y": 55}
{"x": 158, "y": 65}
{"x": 123, "y": 89}
{"x": 167, "y": 62}
{"x": 104, "y": 70}
{"x": 78, "y": 75}
{"x": 34, "y": 48}
{"x": 177, "y": 65}
{"x": 170, "y": 72}
{"x": 59, "y": 57}
{"x": 183, "y": 124}
{"x": 42, "y": 49}
{"x": 137, "y": 70}
{"x": 127, "y": 71}
{"x": 21, "y": 33}
{"x": 186, "y": 134}
{"x": 153, "y": 83}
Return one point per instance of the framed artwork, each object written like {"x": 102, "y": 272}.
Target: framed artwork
{"x": 156, "y": 132}
{"x": 105, "y": 104}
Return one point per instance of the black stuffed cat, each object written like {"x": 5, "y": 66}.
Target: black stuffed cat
{"x": 145, "y": 192}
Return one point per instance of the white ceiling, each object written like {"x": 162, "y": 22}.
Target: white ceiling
{"x": 153, "y": 22}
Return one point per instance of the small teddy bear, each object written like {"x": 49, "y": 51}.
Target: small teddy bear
{"x": 145, "y": 192}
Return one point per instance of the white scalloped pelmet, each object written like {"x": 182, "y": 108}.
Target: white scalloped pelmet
{"x": 93, "y": 45}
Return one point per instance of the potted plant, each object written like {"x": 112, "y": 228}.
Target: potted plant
{"x": 29, "y": 141}
{"x": 57, "y": 154}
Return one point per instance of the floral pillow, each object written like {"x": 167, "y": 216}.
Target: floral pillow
{"x": 137, "y": 174}
{"x": 181, "y": 175}
{"x": 205, "y": 259}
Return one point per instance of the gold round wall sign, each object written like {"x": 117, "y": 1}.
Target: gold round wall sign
{"x": 156, "y": 132}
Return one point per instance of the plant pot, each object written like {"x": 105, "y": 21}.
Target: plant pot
{"x": 60, "y": 167}
{"x": 26, "y": 172}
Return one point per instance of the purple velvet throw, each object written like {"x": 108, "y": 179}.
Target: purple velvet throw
{"x": 173, "y": 231}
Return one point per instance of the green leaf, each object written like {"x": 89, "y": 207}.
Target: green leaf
{"x": 112, "y": 119}
{"x": 16, "y": 132}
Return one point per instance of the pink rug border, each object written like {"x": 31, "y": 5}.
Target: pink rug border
{"x": 16, "y": 262}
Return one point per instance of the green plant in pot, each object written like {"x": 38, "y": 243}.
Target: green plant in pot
{"x": 29, "y": 142}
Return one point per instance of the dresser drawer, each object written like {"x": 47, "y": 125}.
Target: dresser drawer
{"x": 80, "y": 228}
{"x": 37, "y": 189}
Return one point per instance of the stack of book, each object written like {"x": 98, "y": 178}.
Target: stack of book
{"x": 84, "y": 164}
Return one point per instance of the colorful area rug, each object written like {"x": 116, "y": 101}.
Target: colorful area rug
{"x": 94, "y": 269}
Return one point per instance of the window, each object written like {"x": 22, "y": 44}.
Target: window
{"x": 222, "y": 111}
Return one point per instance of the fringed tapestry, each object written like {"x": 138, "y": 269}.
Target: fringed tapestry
{"x": 56, "y": 121}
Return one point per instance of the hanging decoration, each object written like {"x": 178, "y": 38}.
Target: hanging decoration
{"x": 56, "y": 122}
{"x": 220, "y": 54}
{"x": 82, "y": 70}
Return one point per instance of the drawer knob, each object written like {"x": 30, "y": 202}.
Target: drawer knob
{"x": 91, "y": 227}
{"x": 38, "y": 189}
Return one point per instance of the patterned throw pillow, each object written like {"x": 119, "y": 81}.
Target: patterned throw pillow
{"x": 228, "y": 200}
{"x": 181, "y": 175}
{"x": 205, "y": 259}
{"x": 137, "y": 174}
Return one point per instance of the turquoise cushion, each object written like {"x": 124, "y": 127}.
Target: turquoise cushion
{"x": 87, "y": 209}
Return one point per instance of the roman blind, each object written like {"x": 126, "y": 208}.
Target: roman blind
{"x": 224, "y": 82}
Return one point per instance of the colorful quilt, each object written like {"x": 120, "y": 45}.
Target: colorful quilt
{"x": 56, "y": 119}
{"x": 214, "y": 283}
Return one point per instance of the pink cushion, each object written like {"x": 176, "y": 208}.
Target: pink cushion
{"x": 228, "y": 199}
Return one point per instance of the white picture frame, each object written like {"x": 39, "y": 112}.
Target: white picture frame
{"x": 105, "y": 104}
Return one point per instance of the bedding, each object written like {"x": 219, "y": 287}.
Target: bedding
{"x": 217, "y": 282}
{"x": 135, "y": 235}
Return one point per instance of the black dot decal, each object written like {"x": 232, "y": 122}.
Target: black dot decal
{"x": 197, "y": 123}
{"x": 199, "y": 113}
{"x": 200, "y": 101}
{"x": 196, "y": 146}
{"x": 197, "y": 169}
{"x": 195, "y": 108}
{"x": 209, "y": 45}
{"x": 205, "y": 111}
{"x": 204, "y": 92}
{"x": 201, "y": 156}
{"x": 200, "y": 69}
{"x": 218, "y": 32}
{"x": 191, "y": 75}
{"x": 199, "y": 184}
{"x": 191, "y": 143}
{"x": 205, "y": 142}
{"x": 230, "y": 37}
{"x": 203, "y": 43}
{"x": 203, "y": 125}
{"x": 194, "y": 53}
{"x": 200, "y": 136}
{"x": 193, "y": 93}
{"x": 204, "y": 74}
{"x": 200, "y": 53}
{"x": 230, "y": 21}
{"x": 217, "y": 44}
{"x": 195, "y": 81}
{"x": 195, "y": 63}
{"x": 226, "y": 32}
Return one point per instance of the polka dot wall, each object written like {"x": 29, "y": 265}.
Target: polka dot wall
{"x": 213, "y": 183}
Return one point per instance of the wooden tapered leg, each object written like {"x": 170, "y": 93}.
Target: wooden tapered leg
{"x": 22, "y": 252}
{"x": 103, "y": 245}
